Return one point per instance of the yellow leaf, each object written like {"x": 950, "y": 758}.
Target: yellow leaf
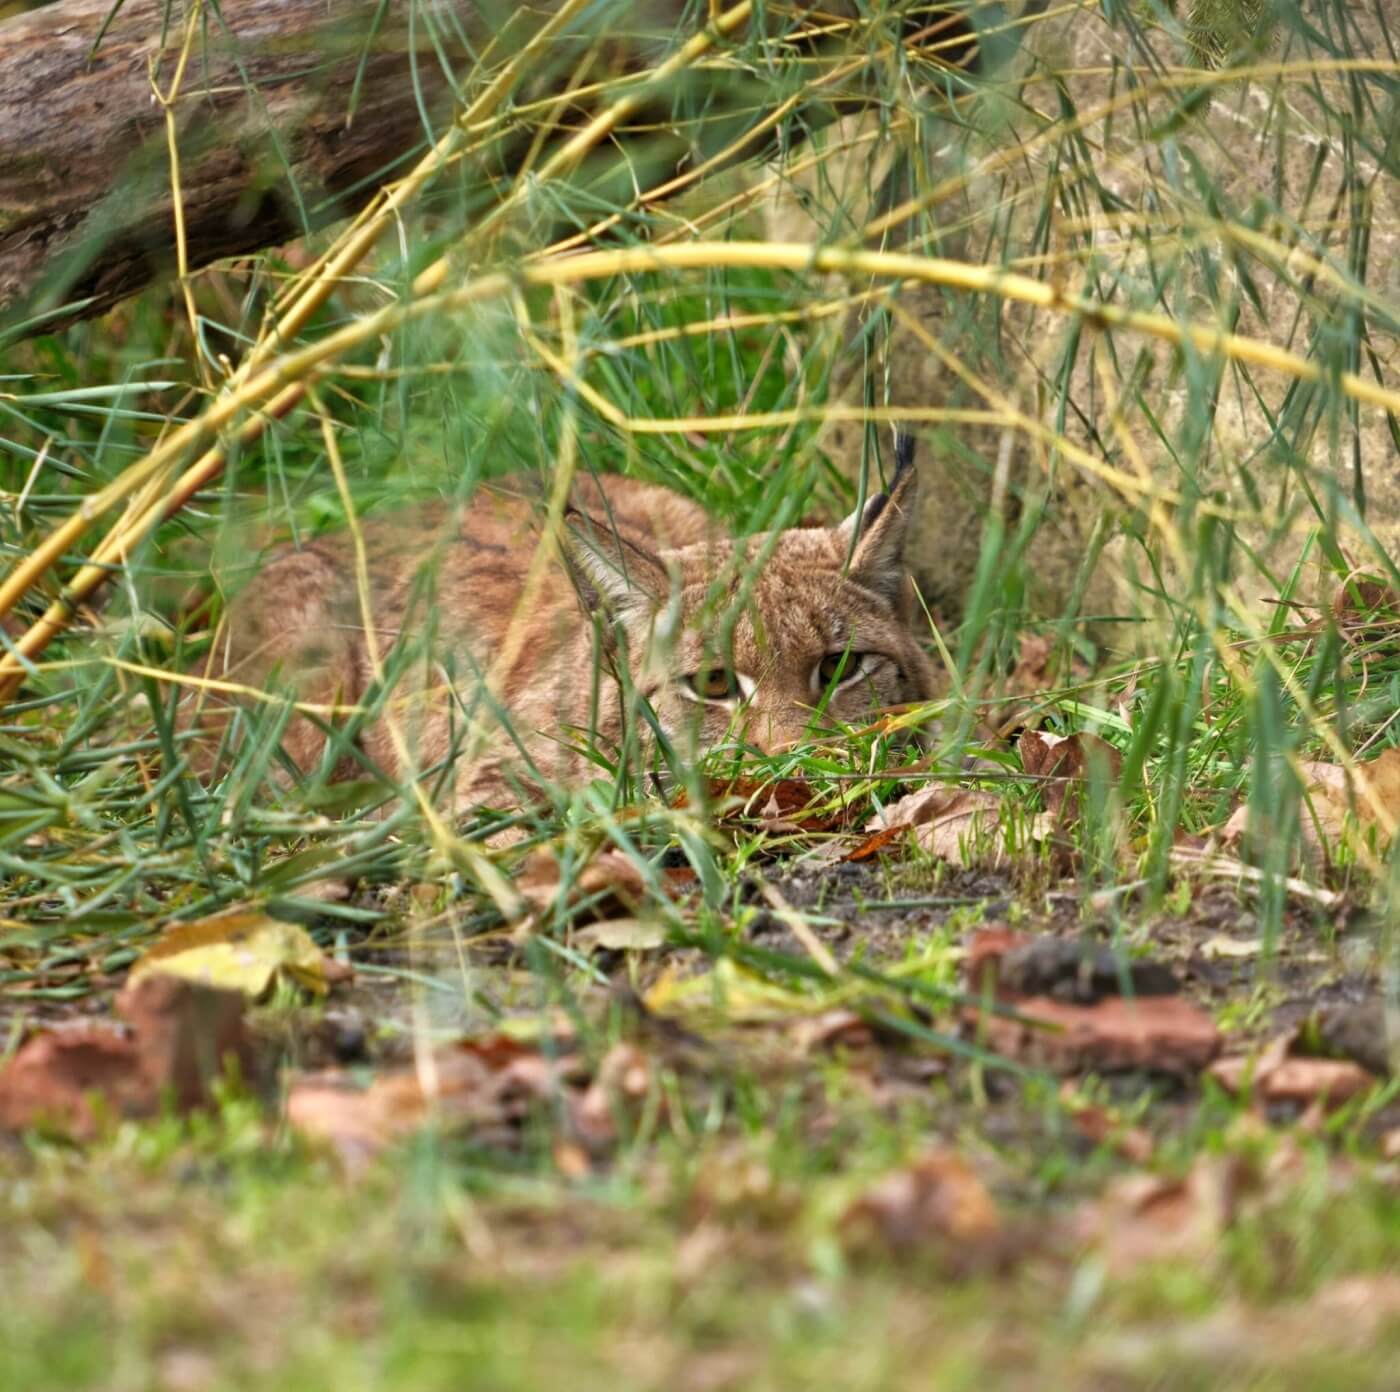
{"x": 241, "y": 951}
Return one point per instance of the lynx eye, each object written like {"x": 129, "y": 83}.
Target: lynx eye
{"x": 714, "y": 684}
{"x": 840, "y": 667}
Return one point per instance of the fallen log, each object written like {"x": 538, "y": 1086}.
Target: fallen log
{"x": 284, "y": 115}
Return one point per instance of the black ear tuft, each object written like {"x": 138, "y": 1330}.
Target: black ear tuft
{"x": 878, "y": 533}
{"x": 904, "y": 447}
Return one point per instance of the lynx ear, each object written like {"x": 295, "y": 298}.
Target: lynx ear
{"x": 611, "y": 573}
{"x": 875, "y": 536}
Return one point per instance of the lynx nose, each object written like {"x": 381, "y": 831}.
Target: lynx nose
{"x": 771, "y": 732}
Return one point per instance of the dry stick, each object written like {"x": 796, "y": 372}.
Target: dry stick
{"x": 1132, "y": 97}
{"x": 729, "y": 154}
{"x": 797, "y": 925}
{"x": 1003, "y": 414}
{"x": 755, "y": 193}
{"x": 167, "y": 101}
{"x": 282, "y": 379}
{"x": 357, "y": 244}
{"x": 361, "y": 239}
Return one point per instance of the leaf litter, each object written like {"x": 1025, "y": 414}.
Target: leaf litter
{"x": 177, "y": 1039}
{"x": 1063, "y": 1000}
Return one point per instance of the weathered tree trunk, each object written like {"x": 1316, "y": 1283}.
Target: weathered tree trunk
{"x": 267, "y": 147}
{"x": 290, "y": 114}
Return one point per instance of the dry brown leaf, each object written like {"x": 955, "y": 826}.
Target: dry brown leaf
{"x": 459, "y": 1088}
{"x": 1152, "y": 1218}
{"x": 571, "y": 1160}
{"x": 54, "y": 1078}
{"x": 833, "y": 1028}
{"x": 610, "y": 874}
{"x": 1165, "y": 1034}
{"x": 958, "y": 824}
{"x": 624, "y": 1079}
{"x": 938, "y": 1205}
{"x": 1103, "y": 1127}
{"x": 1338, "y": 807}
{"x": 787, "y": 804}
{"x": 179, "y": 1041}
{"x": 1280, "y": 1073}
{"x": 1084, "y": 1024}
{"x": 872, "y": 845}
{"x": 1032, "y": 669}
{"x": 1144, "y": 1218}
{"x": 1366, "y": 609}
{"x": 1066, "y": 762}
{"x": 490, "y": 1084}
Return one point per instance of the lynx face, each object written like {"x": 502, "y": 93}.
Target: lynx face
{"x": 763, "y": 643}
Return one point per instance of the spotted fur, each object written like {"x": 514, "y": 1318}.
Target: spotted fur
{"x": 498, "y": 688}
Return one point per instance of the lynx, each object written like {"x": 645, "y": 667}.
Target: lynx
{"x": 506, "y": 680}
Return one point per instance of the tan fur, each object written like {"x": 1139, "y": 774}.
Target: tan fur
{"x": 647, "y": 585}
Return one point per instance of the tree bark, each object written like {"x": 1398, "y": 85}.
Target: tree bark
{"x": 290, "y": 115}
{"x": 267, "y": 146}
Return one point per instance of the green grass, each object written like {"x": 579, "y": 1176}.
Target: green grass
{"x": 229, "y": 1260}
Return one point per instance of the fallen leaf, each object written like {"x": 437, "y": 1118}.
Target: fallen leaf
{"x": 1165, "y": 1034}
{"x": 938, "y": 1204}
{"x": 179, "y": 1040}
{"x": 1032, "y": 668}
{"x": 55, "y": 1078}
{"x": 611, "y": 880}
{"x": 1337, "y": 806}
{"x": 243, "y": 951}
{"x": 1282, "y": 1073}
{"x": 873, "y": 844}
{"x": 488, "y": 1085}
{"x": 1146, "y": 1218}
{"x": 624, "y": 1079}
{"x": 1066, "y": 762}
{"x": 1239, "y": 949}
{"x": 833, "y": 1028}
{"x": 958, "y": 824}
{"x": 785, "y": 804}
{"x": 771, "y": 818}
{"x": 983, "y": 955}
{"x": 1366, "y": 609}
{"x": 1343, "y": 1318}
{"x": 571, "y": 1160}
{"x": 622, "y": 935}
{"x": 1101, "y": 1127}
{"x": 1085, "y": 1024}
